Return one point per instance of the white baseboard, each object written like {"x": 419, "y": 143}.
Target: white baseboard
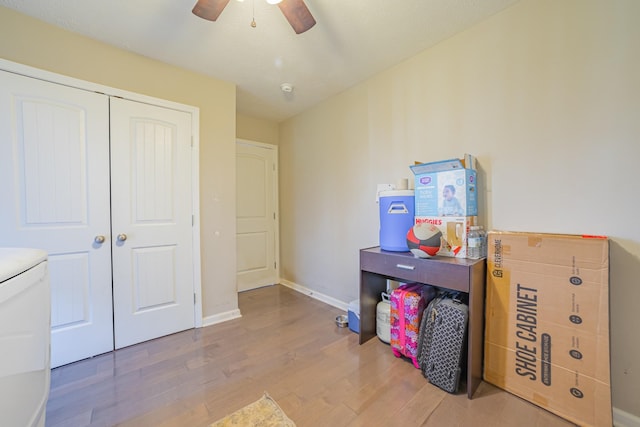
{"x": 222, "y": 317}
{"x": 234, "y": 314}
{"x": 315, "y": 295}
{"x": 624, "y": 419}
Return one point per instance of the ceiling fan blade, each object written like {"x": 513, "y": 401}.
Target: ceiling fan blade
{"x": 209, "y": 9}
{"x": 297, "y": 14}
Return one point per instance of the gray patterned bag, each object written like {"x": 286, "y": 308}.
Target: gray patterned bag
{"x": 442, "y": 341}
{"x": 426, "y": 332}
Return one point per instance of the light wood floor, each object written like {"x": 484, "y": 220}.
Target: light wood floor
{"x": 286, "y": 344}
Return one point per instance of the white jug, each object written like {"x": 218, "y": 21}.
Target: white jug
{"x": 383, "y": 319}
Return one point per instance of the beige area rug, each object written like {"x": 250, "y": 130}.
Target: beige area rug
{"x": 264, "y": 412}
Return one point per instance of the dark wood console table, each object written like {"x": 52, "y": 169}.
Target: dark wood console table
{"x": 459, "y": 274}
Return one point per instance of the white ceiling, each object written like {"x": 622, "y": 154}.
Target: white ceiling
{"x": 352, "y": 40}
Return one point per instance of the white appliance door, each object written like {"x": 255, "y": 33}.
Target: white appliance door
{"x": 25, "y": 333}
{"x": 256, "y": 218}
{"x": 54, "y": 187}
{"x": 151, "y": 221}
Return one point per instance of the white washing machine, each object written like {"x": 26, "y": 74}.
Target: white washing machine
{"x": 25, "y": 331}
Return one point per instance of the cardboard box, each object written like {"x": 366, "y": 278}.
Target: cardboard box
{"x": 547, "y": 322}
{"x": 445, "y": 188}
{"x": 454, "y": 233}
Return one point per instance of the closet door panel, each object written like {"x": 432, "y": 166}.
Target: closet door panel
{"x": 151, "y": 214}
{"x": 54, "y": 192}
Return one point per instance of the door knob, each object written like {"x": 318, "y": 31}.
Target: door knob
{"x": 99, "y": 239}
{"x": 122, "y": 237}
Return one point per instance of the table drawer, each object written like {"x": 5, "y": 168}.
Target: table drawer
{"x": 450, "y": 273}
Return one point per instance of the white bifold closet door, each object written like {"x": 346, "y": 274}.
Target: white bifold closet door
{"x": 71, "y": 181}
{"x": 151, "y": 221}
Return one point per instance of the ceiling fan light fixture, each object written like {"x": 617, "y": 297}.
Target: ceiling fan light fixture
{"x": 295, "y": 11}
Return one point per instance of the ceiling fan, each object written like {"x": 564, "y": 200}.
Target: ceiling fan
{"x": 295, "y": 11}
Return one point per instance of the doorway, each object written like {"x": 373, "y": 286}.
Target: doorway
{"x": 257, "y": 214}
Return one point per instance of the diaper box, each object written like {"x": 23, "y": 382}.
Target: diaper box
{"x": 454, "y": 229}
{"x": 445, "y": 188}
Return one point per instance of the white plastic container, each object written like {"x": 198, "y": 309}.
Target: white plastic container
{"x": 383, "y": 319}
{"x": 25, "y": 331}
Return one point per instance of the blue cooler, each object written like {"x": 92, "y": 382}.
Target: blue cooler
{"x": 396, "y": 218}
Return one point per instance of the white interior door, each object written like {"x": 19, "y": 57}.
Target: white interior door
{"x": 151, "y": 221}
{"x": 54, "y": 186}
{"x": 256, "y": 215}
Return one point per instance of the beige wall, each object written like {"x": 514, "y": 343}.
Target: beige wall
{"x": 546, "y": 94}
{"x": 31, "y": 42}
{"x": 258, "y": 130}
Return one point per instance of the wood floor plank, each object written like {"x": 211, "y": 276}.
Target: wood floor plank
{"x": 286, "y": 344}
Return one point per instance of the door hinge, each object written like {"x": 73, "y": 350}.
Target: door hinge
{"x": 193, "y": 220}
{"x": 194, "y": 298}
